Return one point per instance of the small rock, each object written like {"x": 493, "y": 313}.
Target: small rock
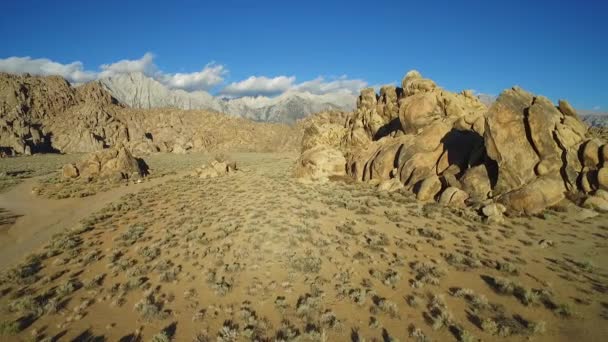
{"x": 596, "y": 203}
{"x": 494, "y": 209}
{"x": 69, "y": 171}
{"x": 429, "y": 188}
{"x": 390, "y": 185}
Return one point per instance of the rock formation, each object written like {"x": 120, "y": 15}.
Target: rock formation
{"x": 47, "y": 114}
{"x": 522, "y": 152}
{"x": 113, "y": 164}
{"x": 215, "y": 168}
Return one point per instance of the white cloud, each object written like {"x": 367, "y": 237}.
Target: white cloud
{"x": 144, "y": 65}
{"x": 320, "y": 86}
{"x": 261, "y": 85}
{"x": 597, "y": 108}
{"x": 211, "y": 76}
{"x": 73, "y": 72}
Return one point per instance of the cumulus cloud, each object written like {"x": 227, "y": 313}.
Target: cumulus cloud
{"x": 261, "y": 85}
{"x": 320, "y": 86}
{"x": 144, "y": 65}
{"x": 211, "y": 76}
{"x": 207, "y": 78}
{"x": 73, "y": 72}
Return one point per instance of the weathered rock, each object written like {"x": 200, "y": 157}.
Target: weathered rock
{"x": 110, "y": 164}
{"x": 390, "y": 185}
{"x": 320, "y": 163}
{"x": 596, "y": 203}
{"x": 413, "y": 83}
{"x": 494, "y": 213}
{"x": 69, "y": 171}
{"x": 454, "y": 197}
{"x": 418, "y": 111}
{"x": 429, "y": 188}
{"x": 388, "y": 106}
{"x": 507, "y": 141}
{"x": 494, "y": 209}
{"x": 476, "y": 182}
{"x": 591, "y": 154}
{"x": 565, "y": 107}
{"x": 523, "y": 152}
{"x": 604, "y": 155}
{"x": 215, "y": 168}
{"x": 602, "y": 178}
{"x": 537, "y": 195}
{"x": 327, "y": 135}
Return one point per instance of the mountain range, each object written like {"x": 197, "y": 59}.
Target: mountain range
{"x": 140, "y": 91}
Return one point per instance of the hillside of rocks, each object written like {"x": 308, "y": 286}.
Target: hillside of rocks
{"x": 522, "y": 154}
{"x": 47, "y": 114}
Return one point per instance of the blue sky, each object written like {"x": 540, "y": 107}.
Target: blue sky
{"x": 558, "y": 49}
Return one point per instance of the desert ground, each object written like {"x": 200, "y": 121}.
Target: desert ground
{"x": 258, "y": 255}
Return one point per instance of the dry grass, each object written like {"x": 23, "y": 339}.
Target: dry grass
{"x": 256, "y": 255}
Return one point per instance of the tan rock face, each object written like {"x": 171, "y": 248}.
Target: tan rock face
{"x": 70, "y": 171}
{"x": 111, "y": 164}
{"x": 523, "y": 152}
{"x": 215, "y": 169}
{"x": 453, "y": 197}
{"x": 429, "y": 188}
{"x": 320, "y": 163}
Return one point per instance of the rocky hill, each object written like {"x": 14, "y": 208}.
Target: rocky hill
{"x": 522, "y": 154}
{"x": 47, "y": 114}
{"x": 139, "y": 91}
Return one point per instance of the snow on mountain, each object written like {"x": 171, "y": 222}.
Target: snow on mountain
{"x": 140, "y": 91}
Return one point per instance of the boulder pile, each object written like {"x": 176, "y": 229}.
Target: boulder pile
{"x": 215, "y": 168}
{"x": 523, "y": 152}
{"x": 115, "y": 164}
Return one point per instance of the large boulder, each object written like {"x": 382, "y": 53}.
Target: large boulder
{"x": 507, "y": 140}
{"x": 476, "y": 182}
{"x": 111, "y": 164}
{"x": 320, "y": 163}
{"x": 453, "y": 197}
{"x": 539, "y": 194}
{"x": 215, "y": 168}
{"x": 428, "y": 188}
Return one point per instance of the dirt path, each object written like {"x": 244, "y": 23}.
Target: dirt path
{"x": 40, "y": 218}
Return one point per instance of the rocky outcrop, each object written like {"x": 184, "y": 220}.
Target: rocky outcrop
{"x": 523, "y": 153}
{"x": 113, "y": 164}
{"x": 215, "y": 168}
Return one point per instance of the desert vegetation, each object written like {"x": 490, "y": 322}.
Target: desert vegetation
{"x": 258, "y": 255}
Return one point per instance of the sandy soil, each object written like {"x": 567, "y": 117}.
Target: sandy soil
{"x": 259, "y": 256}
{"x": 38, "y": 218}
